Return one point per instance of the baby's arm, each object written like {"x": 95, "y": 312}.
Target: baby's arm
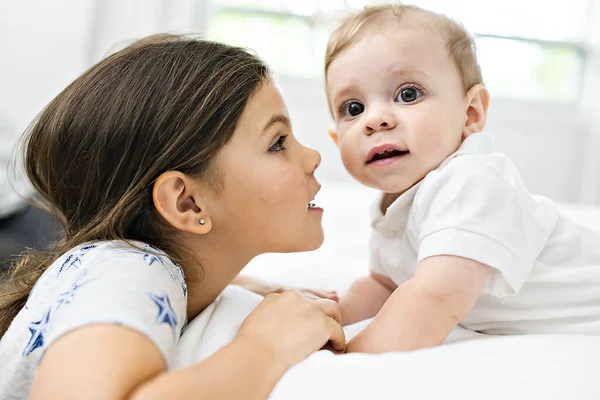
{"x": 424, "y": 310}
{"x": 365, "y": 298}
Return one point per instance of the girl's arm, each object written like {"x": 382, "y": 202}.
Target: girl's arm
{"x": 113, "y": 362}
{"x": 424, "y": 310}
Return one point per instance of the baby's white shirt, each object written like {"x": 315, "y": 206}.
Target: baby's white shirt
{"x": 110, "y": 282}
{"x": 545, "y": 266}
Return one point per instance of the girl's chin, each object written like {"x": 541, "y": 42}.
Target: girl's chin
{"x": 311, "y": 244}
{"x": 318, "y": 242}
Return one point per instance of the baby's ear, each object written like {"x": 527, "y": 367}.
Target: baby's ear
{"x": 477, "y": 100}
{"x": 333, "y": 134}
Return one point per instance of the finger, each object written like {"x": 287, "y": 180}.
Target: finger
{"x": 328, "y": 347}
{"x": 337, "y": 338}
{"x": 309, "y": 294}
{"x": 326, "y": 294}
{"x": 330, "y": 308}
{"x": 332, "y": 296}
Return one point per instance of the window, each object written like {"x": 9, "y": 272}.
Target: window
{"x": 528, "y": 49}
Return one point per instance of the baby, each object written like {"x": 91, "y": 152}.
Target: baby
{"x": 457, "y": 238}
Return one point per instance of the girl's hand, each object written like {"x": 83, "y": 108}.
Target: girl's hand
{"x": 290, "y": 326}
{"x": 264, "y": 288}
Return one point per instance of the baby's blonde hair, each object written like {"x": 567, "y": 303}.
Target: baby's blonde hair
{"x": 461, "y": 45}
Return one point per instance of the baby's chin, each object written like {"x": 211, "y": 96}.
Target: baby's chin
{"x": 388, "y": 184}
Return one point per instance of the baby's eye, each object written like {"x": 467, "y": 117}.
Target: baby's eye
{"x": 408, "y": 95}
{"x": 352, "y": 109}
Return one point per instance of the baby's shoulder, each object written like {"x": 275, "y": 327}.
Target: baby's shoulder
{"x": 479, "y": 164}
{"x": 480, "y": 169}
{"x": 470, "y": 178}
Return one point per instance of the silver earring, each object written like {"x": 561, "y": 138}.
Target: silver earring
{"x": 202, "y": 221}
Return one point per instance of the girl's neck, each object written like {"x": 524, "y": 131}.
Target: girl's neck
{"x": 220, "y": 264}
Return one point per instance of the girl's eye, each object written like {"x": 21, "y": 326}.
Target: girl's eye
{"x": 352, "y": 109}
{"x": 278, "y": 145}
{"x": 408, "y": 95}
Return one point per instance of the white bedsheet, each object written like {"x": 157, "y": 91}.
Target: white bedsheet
{"x": 467, "y": 366}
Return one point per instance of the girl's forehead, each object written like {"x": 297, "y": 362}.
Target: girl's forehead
{"x": 265, "y": 108}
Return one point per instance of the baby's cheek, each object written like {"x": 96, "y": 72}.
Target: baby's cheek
{"x": 431, "y": 140}
{"x": 349, "y": 157}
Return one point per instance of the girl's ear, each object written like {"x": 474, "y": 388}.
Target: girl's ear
{"x": 333, "y": 134}
{"x": 478, "y": 101}
{"x": 177, "y": 198}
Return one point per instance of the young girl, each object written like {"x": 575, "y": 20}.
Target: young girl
{"x": 171, "y": 164}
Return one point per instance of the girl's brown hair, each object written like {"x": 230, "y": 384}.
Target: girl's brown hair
{"x": 163, "y": 103}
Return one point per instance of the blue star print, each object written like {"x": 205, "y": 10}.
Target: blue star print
{"x": 181, "y": 276}
{"x": 166, "y": 315}
{"x": 74, "y": 259}
{"x": 151, "y": 259}
{"x": 38, "y": 331}
{"x": 67, "y": 297}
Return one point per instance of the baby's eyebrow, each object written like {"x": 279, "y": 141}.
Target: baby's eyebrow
{"x": 346, "y": 91}
{"x": 409, "y": 73}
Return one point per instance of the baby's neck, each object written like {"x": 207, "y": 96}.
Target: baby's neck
{"x": 387, "y": 200}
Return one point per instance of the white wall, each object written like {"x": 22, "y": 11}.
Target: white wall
{"x": 118, "y": 21}
{"x": 590, "y": 188}
{"x": 45, "y": 44}
{"x": 43, "y": 47}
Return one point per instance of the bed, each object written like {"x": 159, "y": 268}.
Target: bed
{"x": 467, "y": 366}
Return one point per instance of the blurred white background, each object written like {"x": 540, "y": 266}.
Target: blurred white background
{"x": 540, "y": 60}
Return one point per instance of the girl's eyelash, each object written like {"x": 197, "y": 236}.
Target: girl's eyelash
{"x": 278, "y": 145}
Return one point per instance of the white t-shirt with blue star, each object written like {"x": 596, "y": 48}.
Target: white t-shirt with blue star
{"x": 105, "y": 282}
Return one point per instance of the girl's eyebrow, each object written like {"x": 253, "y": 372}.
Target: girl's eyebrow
{"x": 275, "y": 119}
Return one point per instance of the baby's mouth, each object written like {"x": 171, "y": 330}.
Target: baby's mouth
{"x": 311, "y": 205}
{"x": 386, "y": 154}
